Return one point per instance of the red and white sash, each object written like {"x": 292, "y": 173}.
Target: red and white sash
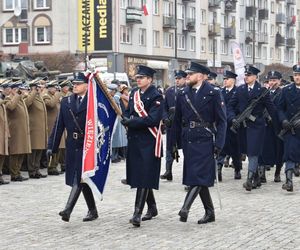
{"x": 140, "y": 110}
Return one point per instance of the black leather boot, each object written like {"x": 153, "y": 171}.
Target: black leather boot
{"x": 297, "y": 170}
{"x": 89, "y": 199}
{"x": 262, "y": 174}
{"x": 140, "y": 199}
{"x": 189, "y": 199}
{"x": 288, "y": 185}
{"x": 256, "y": 181}
{"x": 277, "y": 173}
{"x": 248, "y": 184}
{"x": 74, "y": 195}
{"x": 168, "y": 174}
{"x": 152, "y": 209}
{"x": 220, "y": 172}
{"x": 209, "y": 215}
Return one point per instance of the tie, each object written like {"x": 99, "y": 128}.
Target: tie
{"x": 78, "y": 102}
{"x": 194, "y": 91}
{"x": 227, "y": 91}
{"x": 250, "y": 90}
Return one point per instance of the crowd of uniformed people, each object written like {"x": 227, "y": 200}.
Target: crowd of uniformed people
{"x": 212, "y": 125}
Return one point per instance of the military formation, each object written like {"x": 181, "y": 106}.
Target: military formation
{"x": 212, "y": 124}
{"x": 28, "y": 113}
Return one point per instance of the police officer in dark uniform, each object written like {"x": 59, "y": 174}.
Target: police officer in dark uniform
{"x": 250, "y": 132}
{"x": 272, "y": 152}
{"x": 212, "y": 79}
{"x": 168, "y": 119}
{"x": 200, "y": 121}
{"x": 72, "y": 117}
{"x": 231, "y": 147}
{"x": 144, "y": 113}
{"x": 289, "y": 107}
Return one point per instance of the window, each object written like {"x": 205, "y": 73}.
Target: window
{"x": 168, "y": 8}
{"x": 264, "y": 53}
{"x": 249, "y": 50}
{"x": 272, "y": 30}
{"x": 211, "y": 47}
{"x": 125, "y": 3}
{"x": 142, "y": 37}
{"x": 156, "y": 42}
{"x": 181, "y": 42}
{"x": 272, "y": 7}
{"x": 42, "y": 34}
{"x": 203, "y": 44}
{"x": 10, "y": 5}
{"x": 192, "y": 13}
{"x": 168, "y": 40}
{"x": 180, "y": 15}
{"x": 203, "y": 16}
{"x": 271, "y": 53}
{"x": 278, "y": 54}
{"x": 241, "y": 24}
{"x": 291, "y": 56}
{"x": 125, "y": 34}
{"x": 155, "y": 7}
{"x": 224, "y": 47}
{"x": 193, "y": 43}
{"x": 257, "y": 52}
{"x": 13, "y": 36}
{"x": 41, "y": 4}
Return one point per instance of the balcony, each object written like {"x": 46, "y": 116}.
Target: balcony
{"x": 250, "y": 11}
{"x": 230, "y": 6}
{"x": 229, "y": 33}
{"x": 190, "y": 24}
{"x": 263, "y": 38}
{"x": 214, "y": 4}
{"x": 279, "y": 40}
{"x": 280, "y": 18}
{"x": 169, "y": 22}
{"x": 291, "y": 2}
{"x": 186, "y": 1}
{"x": 263, "y": 14}
{"x": 291, "y": 20}
{"x": 214, "y": 30}
{"x": 133, "y": 15}
{"x": 291, "y": 42}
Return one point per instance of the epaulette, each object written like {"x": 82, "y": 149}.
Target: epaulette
{"x": 182, "y": 91}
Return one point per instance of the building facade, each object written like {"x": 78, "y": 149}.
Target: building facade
{"x": 156, "y": 32}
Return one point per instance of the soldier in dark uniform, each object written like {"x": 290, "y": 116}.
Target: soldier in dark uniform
{"x": 231, "y": 147}
{"x": 144, "y": 113}
{"x": 212, "y": 78}
{"x": 200, "y": 121}
{"x": 250, "y": 132}
{"x": 289, "y": 107}
{"x": 72, "y": 117}
{"x": 168, "y": 119}
{"x": 272, "y": 152}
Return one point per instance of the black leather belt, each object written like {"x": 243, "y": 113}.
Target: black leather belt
{"x": 77, "y": 136}
{"x": 194, "y": 124}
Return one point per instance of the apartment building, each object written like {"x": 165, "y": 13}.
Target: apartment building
{"x": 156, "y": 32}
{"x": 37, "y": 26}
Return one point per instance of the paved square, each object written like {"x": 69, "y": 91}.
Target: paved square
{"x": 267, "y": 218}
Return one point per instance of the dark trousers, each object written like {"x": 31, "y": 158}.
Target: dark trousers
{"x": 33, "y": 161}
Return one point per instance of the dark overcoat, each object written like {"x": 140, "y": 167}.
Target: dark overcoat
{"x": 74, "y": 147}
{"x": 169, "y": 112}
{"x": 272, "y": 152}
{"x": 231, "y": 146}
{"x": 142, "y": 167}
{"x": 198, "y": 143}
{"x": 289, "y": 105}
{"x": 250, "y": 137}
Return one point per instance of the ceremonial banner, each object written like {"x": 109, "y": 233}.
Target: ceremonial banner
{"x": 239, "y": 63}
{"x": 99, "y": 127}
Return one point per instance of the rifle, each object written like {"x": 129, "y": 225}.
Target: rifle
{"x": 266, "y": 114}
{"x": 246, "y": 114}
{"x": 295, "y": 122}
